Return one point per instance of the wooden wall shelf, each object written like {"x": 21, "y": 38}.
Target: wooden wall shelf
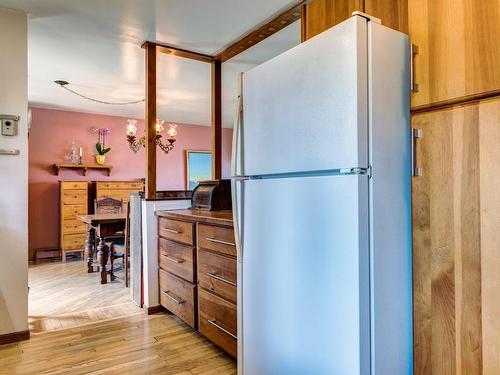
{"x": 83, "y": 167}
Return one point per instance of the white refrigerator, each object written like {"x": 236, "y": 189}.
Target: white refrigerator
{"x": 321, "y": 200}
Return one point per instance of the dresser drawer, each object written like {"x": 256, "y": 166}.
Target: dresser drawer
{"x": 179, "y": 231}
{"x": 123, "y": 195}
{"x": 74, "y": 197}
{"x": 178, "y": 296}
{"x": 217, "y": 273}
{"x": 70, "y": 212}
{"x": 73, "y": 241}
{"x": 217, "y": 239}
{"x": 217, "y": 321}
{"x": 73, "y": 226}
{"x": 74, "y": 185}
{"x": 137, "y": 186}
{"x": 177, "y": 259}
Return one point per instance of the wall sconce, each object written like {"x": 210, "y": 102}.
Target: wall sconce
{"x": 136, "y": 143}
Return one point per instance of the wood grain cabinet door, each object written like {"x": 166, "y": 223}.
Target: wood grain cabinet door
{"x": 456, "y": 221}
{"x": 459, "y": 48}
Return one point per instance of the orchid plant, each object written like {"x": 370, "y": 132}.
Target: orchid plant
{"x": 100, "y": 146}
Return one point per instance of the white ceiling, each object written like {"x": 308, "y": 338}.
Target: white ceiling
{"x": 95, "y": 45}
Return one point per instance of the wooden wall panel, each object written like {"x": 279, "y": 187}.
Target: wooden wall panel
{"x": 323, "y": 14}
{"x": 489, "y": 156}
{"x": 393, "y": 13}
{"x": 459, "y": 54}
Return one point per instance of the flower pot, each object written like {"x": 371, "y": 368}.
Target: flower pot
{"x": 100, "y": 159}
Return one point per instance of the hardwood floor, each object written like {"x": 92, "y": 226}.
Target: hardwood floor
{"x": 82, "y": 327}
{"x": 139, "y": 344}
{"x": 64, "y": 295}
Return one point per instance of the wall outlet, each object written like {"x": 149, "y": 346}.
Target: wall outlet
{"x": 9, "y": 124}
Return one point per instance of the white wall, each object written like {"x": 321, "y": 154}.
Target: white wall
{"x": 14, "y": 176}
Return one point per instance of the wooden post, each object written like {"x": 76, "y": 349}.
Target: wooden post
{"x": 216, "y": 112}
{"x": 150, "y": 121}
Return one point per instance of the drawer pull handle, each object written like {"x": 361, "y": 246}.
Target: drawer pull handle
{"x": 220, "y": 278}
{"x": 172, "y": 230}
{"x": 220, "y": 241}
{"x": 174, "y": 259}
{"x": 216, "y": 324}
{"x": 173, "y": 298}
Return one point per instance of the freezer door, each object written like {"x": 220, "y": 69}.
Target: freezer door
{"x": 306, "y": 109}
{"x": 304, "y": 304}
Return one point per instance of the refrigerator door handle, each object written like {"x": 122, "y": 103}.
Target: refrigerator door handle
{"x": 234, "y": 169}
{"x": 236, "y": 218}
{"x": 235, "y": 152}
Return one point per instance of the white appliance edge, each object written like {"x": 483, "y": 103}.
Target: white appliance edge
{"x": 389, "y": 260}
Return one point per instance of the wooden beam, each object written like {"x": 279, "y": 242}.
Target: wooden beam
{"x": 262, "y": 32}
{"x": 216, "y": 112}
{"x": 303, "y": 23}
{"x": 150, "y": 121}
{"x": 179, "y": 52}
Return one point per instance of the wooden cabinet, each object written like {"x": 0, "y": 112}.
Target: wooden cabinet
{"x": 177, "y": 259}
{"x": 456, "y": 234}
{"x": 178, "y": 296}
{"x": 176, "y": 230}
{"x": 217, "y": 286}
{"x": 217, "y": 319}
{"x": 177, "y": 273}
{"x": 119, "y": 190}
{"x": 73, "y": 202}
{"x": 197, "y": 275}
{"x": 459, "y": 51}
{"x": 320, "y": 15}
{"x": 217, "y": 274}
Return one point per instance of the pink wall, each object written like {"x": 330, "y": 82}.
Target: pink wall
{"x": 50, "y": 138}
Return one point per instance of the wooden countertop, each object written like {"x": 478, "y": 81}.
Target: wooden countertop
{"x": 223, "y": 218}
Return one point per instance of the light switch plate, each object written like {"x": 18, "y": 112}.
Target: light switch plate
{"x": 9, "y": 124}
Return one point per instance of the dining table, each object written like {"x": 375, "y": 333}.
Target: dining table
{"x": 100, "y": 227}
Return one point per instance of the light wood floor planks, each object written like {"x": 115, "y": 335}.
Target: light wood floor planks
{"x": 64, "y": 295}
{"x": 82, "y": 327}
{"x": 138, "y": 344}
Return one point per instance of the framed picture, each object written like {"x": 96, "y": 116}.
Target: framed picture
{"x": 198, "y": 167}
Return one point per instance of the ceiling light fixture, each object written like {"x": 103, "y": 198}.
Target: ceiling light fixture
{"x": 64, "y": 85}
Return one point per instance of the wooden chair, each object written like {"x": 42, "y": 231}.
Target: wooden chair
{"x": 115, "y": 240}
{"x": 108, "y": 206}
{"x": 121, "y": 250}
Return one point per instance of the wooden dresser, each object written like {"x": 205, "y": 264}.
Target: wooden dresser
{"x": 119, "y": 190}
{"x": 73, "y": 201}
{"x": 197, "y": 273}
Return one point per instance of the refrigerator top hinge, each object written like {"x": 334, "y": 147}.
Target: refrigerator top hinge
{"x": 367, "y": 16}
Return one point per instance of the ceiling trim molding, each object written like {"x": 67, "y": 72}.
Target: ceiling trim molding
{"x": 261, "y": 32}
{"x": 175, "y": 51}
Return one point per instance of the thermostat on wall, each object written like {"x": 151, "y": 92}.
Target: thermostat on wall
{"x": 9, "y": 124}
